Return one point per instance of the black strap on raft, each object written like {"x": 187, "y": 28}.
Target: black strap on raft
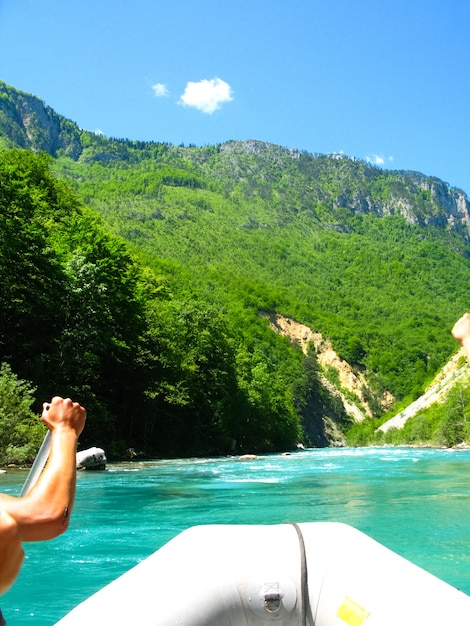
{"x": 303, "y": 576}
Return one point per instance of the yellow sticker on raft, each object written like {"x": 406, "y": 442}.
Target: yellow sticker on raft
{"x": 352, "y": 613}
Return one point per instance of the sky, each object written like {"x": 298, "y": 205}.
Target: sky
{"x": 386, "y": 81}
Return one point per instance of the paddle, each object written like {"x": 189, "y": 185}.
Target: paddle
{"x": 38, "y": 465}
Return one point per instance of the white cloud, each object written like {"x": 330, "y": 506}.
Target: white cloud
{"x": 377, "y": 159}
{"x": 160, "y": 90}
{"x": 206, "y": 95}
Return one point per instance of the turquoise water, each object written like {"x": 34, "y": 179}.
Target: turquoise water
{"x": 416, "y": 502}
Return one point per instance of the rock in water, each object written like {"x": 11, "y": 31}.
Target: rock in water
{"x": 92, "y": 458}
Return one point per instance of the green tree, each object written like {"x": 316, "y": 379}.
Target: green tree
{"x": 31, "y": 278}
{"x": 190, "y": 364}
{"x": 21, "y": 431}
{"x": 453, "y": 428}
{"x": 266, "y": 420}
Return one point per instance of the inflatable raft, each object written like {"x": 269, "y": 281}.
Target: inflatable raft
{"x": 313, "y": 574}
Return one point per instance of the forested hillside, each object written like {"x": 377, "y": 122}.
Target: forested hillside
{"x": 139, "y": 271}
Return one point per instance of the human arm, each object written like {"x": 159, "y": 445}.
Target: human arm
{"x": 44, "y": 512}
{"x": 11, "y": 551}
{"x": 461, "y": 332}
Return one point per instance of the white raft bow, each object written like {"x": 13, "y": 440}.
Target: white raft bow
{"x": 313, "y": 574}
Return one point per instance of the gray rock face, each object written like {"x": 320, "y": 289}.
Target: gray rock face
{"x": 34, "y": 125}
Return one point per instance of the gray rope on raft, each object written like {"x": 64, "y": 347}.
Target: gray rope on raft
{"x": 303, "y": 576}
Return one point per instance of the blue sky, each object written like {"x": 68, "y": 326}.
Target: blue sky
{"x": 381, "y": 80}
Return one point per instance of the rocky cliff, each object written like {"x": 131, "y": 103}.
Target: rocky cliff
{"x": 27, "y": 122}
{"x": 351, "y": 389}
{"x": 455, "y": 371}
{"x": 450, "y": 206}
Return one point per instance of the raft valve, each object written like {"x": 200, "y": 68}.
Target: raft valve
{"x": 272, "y": 602}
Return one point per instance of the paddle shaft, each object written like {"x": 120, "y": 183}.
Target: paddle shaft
{"x": 38, "y": 465}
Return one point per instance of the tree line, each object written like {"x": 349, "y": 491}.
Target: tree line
{"x": 159, "y": 368}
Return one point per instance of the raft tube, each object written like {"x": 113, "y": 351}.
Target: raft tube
{"x": 312, "y": 574}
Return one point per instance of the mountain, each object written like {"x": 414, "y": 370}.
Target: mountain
{"x": 373, "y": 262}
{"x": 348, "y": 183}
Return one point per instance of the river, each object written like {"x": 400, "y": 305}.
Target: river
{"x": 414, "y": 501}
